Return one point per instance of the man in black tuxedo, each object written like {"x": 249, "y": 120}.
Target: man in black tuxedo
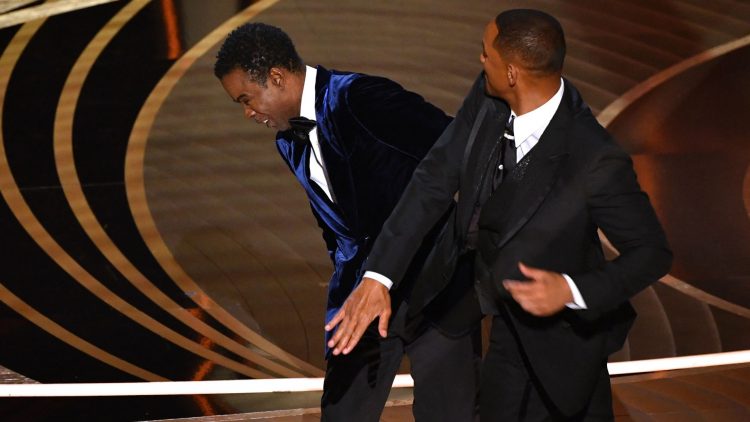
{"x": 353, "y": 141}
{"x": 536, "y": 176}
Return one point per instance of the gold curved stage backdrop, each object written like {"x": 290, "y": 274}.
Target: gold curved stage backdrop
{"x": 150, "y": 232}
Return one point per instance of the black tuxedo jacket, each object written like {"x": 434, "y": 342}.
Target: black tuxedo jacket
{"x": 546, "y": 214}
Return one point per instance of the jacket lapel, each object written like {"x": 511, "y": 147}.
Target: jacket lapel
{"x": 487, "y": 129}
{"x": 335, "y": 158}
{"x": 518, "y": 198}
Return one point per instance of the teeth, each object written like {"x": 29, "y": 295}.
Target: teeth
{"x": 265, "y": 121}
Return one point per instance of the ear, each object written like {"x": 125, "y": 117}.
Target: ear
{"x": 512, "y": 74}
{"x": 276, "y": 77}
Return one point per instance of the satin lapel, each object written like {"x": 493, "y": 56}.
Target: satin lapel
{"x": 294, "y": 154}
{"x": 330, "y": 129}
{"x": 517, "y": 199}
{"x": 485, "y": 133}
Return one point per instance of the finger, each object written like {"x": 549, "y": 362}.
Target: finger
{"x": 518, "y": 296}
{"x": 525, "y": 294}
{"x": 339, "y": 336}
{"x": 335, "y": 320}
{"x": 515, "y": 286}
{"x": 530, "y": 272}
{"x": 353, "y": 331}
{"x": 383, "y": 323}
{"x": 511, "y": 282}
{"x": 355, "y": 336}
{"x": 525, "y": 305}
{"x": 333, "y": 342}
{"x": 340, "y": 344}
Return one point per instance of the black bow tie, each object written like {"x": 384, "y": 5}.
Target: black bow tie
{"x": 300, "y": 127}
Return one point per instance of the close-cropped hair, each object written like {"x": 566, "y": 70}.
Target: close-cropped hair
{"x": 533, "y": 37}
{"x": 256, "y": 48}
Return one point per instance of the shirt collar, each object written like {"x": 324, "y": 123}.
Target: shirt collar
{"x": 307, "y": 107}
{"x": 535, "y": 121}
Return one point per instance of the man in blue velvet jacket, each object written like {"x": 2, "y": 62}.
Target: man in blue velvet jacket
{"x": 353, "y": 141}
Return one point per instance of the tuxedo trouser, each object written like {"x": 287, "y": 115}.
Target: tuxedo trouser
{"x": 445, "y": 372}
{"x": 510, "y": 392}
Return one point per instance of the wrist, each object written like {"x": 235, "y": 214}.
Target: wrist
{"x": 565, "y": 286}
{"x": 380, "y": 278}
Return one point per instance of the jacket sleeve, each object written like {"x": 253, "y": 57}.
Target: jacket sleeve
{"x": 397, "y": 117}
{"x": 623, "y": 212}
{"x": 428, "y": 195}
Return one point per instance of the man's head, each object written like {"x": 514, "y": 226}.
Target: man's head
{"x": 521, "y": 46}
{"x": 260, "y": 69}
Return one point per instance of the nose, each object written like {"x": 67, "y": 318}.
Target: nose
{"x": 482, "y": 58}
{"x": 249, "y": 113}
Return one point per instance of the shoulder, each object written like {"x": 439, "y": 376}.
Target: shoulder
{"x": 357, "y": 89}
{"x": 587, "y": 128}
{"x": 584, "y": 129}
{"x": 340, "y": 83}
{"x": 368, "y": 89}
{"x": 592, "y": 141}
{"x": 368, "y": 95}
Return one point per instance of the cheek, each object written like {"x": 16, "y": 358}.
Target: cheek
{"x": 493, "y": 84}
{"x": 261, "y": 107}
{"x": 266, "y": 105}
{"x": 496, "y": 78}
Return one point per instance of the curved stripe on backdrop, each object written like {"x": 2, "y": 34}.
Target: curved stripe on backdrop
{"x": 42, "y": 11}
{"x": 136, "y": 192}
{"x": 63, "y": 145}
{"x": 20, "y": 209}
{"x": 688, "y": 289}
{"x": 614, "y": 109}
{"x": 36, "y": 317}
{"x": 36, "y": 230}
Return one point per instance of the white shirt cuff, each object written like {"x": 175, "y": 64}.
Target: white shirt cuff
{"x": 578, "y": 302}
{"x": 380, "y": 278}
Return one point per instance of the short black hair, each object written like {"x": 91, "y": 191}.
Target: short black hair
{"x": 256, "y": 48}
{"x": 532, "y": 36}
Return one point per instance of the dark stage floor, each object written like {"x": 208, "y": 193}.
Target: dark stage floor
{"x": 151, "y": 233}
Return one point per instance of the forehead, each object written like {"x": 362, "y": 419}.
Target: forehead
{"x": 237, "y": 81}
{"x": 490, "y": 33}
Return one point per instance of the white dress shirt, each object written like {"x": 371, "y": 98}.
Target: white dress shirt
{"x": 307, "y": 110}
{"x": 527, "y": 130}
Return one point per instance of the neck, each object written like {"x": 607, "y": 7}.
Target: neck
{"x": 533, "y": 93}
{"x": 295, "y": 84}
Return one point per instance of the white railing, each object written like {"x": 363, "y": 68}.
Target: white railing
{"x": 316, "y": 384}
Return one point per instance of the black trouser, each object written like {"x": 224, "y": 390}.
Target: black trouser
{"x": 509, "y": 392}
{"x": 445, "y": 372}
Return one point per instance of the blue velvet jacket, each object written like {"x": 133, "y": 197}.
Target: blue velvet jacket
{"x": 372, "y": 134}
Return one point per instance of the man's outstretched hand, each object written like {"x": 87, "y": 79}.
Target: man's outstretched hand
{"x": 368, "y": 301}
